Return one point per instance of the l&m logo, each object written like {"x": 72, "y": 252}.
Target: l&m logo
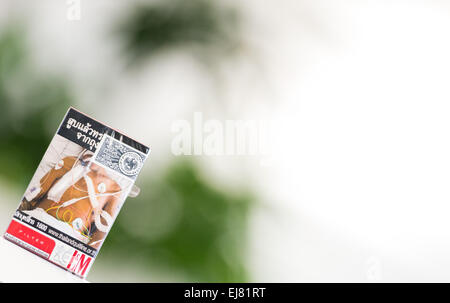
{"x": 79, "y": 263}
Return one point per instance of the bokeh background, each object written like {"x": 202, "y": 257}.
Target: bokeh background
{"x": 354, "y": 186}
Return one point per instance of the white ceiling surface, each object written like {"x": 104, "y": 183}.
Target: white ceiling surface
{"x": 357, "y": 185}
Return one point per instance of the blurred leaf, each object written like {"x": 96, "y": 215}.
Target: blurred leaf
{"x": 150, "y": 28}
{"x": 205, "y": 237}
{"x": 29, "y": 103}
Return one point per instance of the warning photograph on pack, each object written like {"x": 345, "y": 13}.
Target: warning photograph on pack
{"x": 77, "y": 192}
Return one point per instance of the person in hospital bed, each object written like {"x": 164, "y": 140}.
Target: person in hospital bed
{"x": 77, "y": 197}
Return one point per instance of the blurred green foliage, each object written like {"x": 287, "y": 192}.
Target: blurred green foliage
{"x": 200, "y": 24}
{"x": 184, "y": 225}
{"x": 181, "y": 223}
{"x": 29, "y": 104}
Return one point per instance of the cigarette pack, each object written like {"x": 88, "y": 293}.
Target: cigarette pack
{"x": 79, "y": 187}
